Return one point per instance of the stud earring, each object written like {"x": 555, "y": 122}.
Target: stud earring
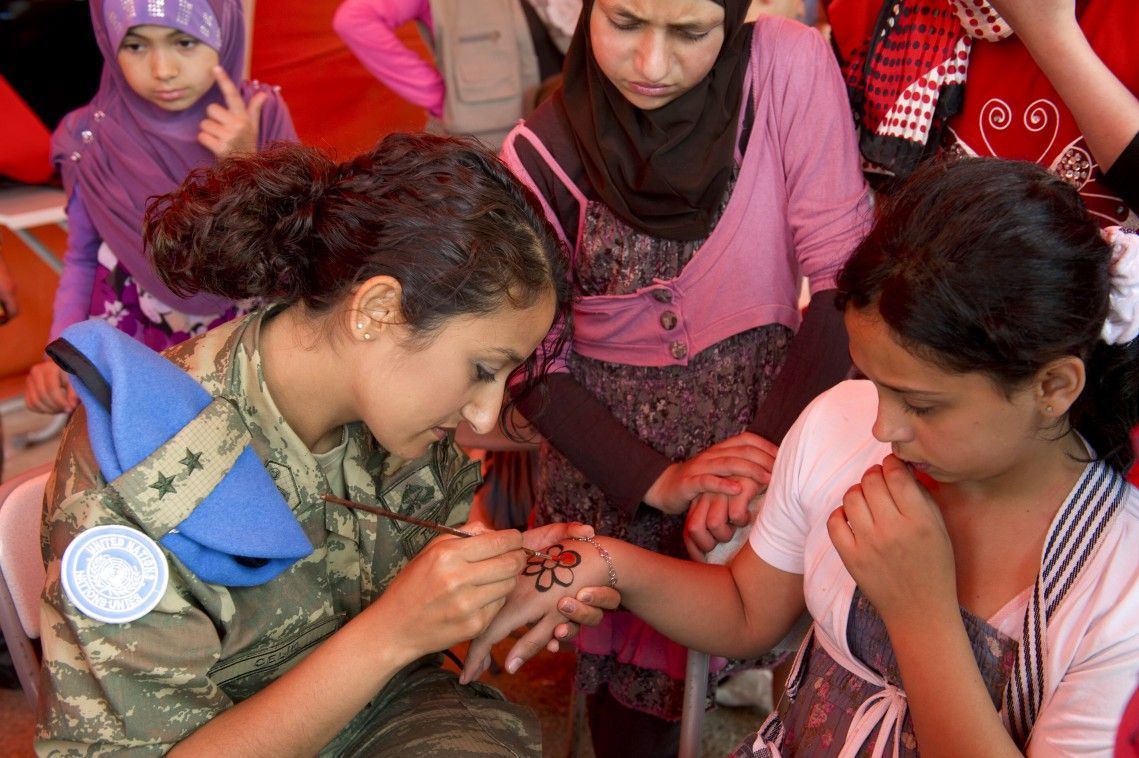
{"x": 367, "y": 335}
{"x": 1047, "y": 409}
{"x": 359, "y": 324}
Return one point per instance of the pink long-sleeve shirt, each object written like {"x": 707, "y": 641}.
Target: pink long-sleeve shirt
{"x": 368, "y": 27}
{"x": 799, "y": 207}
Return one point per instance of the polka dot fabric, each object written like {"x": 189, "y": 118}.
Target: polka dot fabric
{"x": 980, "y": 21}
{"x": 908, "y": 78}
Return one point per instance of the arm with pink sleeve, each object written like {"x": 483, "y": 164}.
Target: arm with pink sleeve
{"x": 80, "y": 260}
{"x": 368, "y": 27}
{"x": 828, "y": 210}
{"x": 569, "y": 416}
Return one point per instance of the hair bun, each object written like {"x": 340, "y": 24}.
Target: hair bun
{"x": 256, "y": 240}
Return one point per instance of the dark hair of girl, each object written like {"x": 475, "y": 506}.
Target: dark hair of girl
{"x": 982, "y": 264}
{"x": 441, "y": 215}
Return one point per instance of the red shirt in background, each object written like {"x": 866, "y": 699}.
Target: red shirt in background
{"x": 1010, "y": 110}
{"x": 24, "y": 140}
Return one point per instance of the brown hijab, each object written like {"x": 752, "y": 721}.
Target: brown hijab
{"x": 662, "y": 171}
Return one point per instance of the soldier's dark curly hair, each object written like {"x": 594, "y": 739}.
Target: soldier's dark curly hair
{"x": 442, "y": 215}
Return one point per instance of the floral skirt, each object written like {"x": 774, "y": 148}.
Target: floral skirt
{"x": 120, "y": 301}
{"x": 679, "y": 411}
{"x": 816, "y": 716}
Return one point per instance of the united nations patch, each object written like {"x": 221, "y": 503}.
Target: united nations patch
{"x": 114, "y": 573}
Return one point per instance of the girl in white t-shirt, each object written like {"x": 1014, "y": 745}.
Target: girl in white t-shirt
{"x": 958, "y": 526}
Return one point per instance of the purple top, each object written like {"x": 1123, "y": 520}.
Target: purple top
{"x": 123, "y": 150}
{"x": 77, "y": 280}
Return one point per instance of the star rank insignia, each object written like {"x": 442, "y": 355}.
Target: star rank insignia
{"x": 192, "y": 461}
{"x": 164, "y": 485}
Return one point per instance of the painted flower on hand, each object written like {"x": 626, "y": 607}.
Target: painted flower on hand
{"x": 557, "y": 569}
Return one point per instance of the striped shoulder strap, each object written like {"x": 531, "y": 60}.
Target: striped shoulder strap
{"x": 1072, "y": 540}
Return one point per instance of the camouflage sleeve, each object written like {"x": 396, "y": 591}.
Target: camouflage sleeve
{"x": 459, "y": 476}
{"x": 137, "y": 687}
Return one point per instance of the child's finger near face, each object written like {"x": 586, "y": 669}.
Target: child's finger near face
{"x": 216, "y": 116}
{"x": 253, "y": 110}
{"x": 210, "y": 143}
{"x": 211, "y": 129}
{"x": 228, "y": 89}
{"x": 841, "y": 533}
{"x": 903, "y": 486}
{"x": 875, "y": 491}
{"x": 856, "y": 510}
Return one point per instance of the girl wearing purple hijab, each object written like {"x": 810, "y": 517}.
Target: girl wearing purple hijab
{"x": 166, "y": 104}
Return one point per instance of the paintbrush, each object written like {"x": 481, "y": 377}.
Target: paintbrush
{"x": 417, "y": 521}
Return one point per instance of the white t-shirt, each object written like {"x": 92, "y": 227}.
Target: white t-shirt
{"x": 1092, "y": 641}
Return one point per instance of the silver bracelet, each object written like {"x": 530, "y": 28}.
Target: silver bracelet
{"x": 604, "y": 556}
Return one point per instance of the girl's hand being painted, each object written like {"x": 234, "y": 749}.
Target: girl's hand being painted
{"x": 547, "y": 592}
{"x": 233, "y": 127}
{"x": 893, "y": 541}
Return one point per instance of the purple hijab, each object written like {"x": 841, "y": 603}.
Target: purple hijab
{"x": 122, "y": 150}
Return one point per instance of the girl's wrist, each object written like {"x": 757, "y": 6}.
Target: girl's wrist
{"x": 606, "y": 557}
{"x": 918, "y": 617}
{"x": 657, "y": 496}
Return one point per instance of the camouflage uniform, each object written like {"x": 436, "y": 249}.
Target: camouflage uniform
{"x": 144, "y": 685}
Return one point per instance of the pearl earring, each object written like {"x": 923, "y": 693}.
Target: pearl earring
{"x": 1047, "y": 409}
{"x": 359, "y": 324}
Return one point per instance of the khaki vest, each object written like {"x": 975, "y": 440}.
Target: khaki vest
{"x": 485, "y": 55}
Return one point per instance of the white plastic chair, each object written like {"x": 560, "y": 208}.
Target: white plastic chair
{"x": 24, "y": 207}
{"x": 22, "y": 573}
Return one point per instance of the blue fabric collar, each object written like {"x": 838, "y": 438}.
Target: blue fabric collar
{"x": 242, "y": 533}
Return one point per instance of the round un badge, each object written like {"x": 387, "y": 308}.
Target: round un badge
{"x": 114, "y": 573}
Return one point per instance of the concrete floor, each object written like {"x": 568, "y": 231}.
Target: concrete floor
{"x": 544, "y": 683}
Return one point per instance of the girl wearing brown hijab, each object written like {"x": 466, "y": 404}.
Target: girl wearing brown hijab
{"x": 698, "y": 168}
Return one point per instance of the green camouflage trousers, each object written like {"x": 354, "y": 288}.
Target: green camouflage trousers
{"x": 424, "y": 712}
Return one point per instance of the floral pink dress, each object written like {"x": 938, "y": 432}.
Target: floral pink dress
{"x": 120, "y": 301}
{"x": 679, "y": 411}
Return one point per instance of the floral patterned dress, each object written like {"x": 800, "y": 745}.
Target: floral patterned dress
{"x": 120, "y": 301}
{"x": 815, "y": 719}
{"x": 678, "y": 410}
